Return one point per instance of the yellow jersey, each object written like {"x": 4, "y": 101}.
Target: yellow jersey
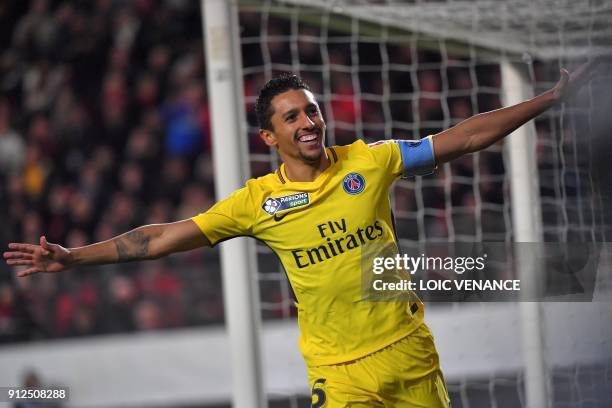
{"x": 320, "y": 230}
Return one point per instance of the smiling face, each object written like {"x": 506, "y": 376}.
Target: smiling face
{"x": 298, "y": 128}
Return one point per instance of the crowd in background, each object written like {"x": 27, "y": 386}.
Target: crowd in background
{"x": 104, "y": 126}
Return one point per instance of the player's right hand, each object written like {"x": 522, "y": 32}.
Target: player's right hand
{"x": 45, "y": 257}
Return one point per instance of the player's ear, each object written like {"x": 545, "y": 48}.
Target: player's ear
{"x": 268, "y": 137}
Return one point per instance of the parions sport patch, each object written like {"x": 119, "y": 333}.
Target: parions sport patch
{"x": 272, "y": 205}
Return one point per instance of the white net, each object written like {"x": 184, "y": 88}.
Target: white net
{"x": 544, "y": 28}
{"x": 404, "y": 70}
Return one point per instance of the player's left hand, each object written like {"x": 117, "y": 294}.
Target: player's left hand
{"x": 570, "y": 83}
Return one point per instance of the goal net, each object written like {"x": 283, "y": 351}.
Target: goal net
{"x": 385, "y": 69}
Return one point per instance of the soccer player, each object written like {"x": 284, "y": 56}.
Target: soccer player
{"x": 318, "y": 212}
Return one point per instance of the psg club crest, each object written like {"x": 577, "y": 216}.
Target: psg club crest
{"x": 353, "y": 183}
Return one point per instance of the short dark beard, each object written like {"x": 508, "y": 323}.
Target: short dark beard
{"x": 312, "y": 159}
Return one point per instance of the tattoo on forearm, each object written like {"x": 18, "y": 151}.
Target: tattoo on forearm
{"x": 132, "y": 246}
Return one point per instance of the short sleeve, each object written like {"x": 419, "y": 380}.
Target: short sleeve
{"x": 387, "y": 156}
{"x": 231, "y": 217}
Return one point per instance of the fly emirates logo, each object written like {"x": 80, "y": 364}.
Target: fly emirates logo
{"x": 338, "y": 240}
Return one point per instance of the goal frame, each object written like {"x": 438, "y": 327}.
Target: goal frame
{"x": 238, "y": 263}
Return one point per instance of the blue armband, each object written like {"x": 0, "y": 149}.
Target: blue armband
{"x": 417, "y": 157}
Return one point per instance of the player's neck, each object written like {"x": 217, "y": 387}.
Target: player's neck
{"x": 301, "y": 170}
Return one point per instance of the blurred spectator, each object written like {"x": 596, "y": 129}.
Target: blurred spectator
{"x": 32, "y": 226}
{"x": 34, "y": 173}
{"x": 123, "y": 296}
{"x": 82, "y": 214}
{"x": 163, "y": 286}
{"x": 147, "y": 315}
{"x": 203, "y": 168}
{"x": 195, "y": 199}
{"x": 41, "y": 85}
{"x": 125, "y": 28}
{"x": 186, "y": 119}
{"x": 143, "y": 147}
{"x": 91, "y": 181}
{"x": 159, "y": 62}
{"x": 12, "y": 147}
{"x": 159, "y": 212}
{"x": 83, "y": 323}
{"x": 72, "y": 123}
{"x": 76, "y": 238}
{"x": 35, "y": 33}
{"x": 114, "y": 105}
{"x": 65, "y": 308}
{"x": 104, "y": 231}
{"x": 147, "y": 91}
{"x": 122, "y": 212}
{"x": 132, "y": 179}
{"x": 58, "y": 210}
{"x": 41, "y": 134}
{"x": 8, "y": 326}
{"x": 174, "y": 177}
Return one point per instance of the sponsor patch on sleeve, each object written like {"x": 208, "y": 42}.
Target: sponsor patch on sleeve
{"x": 273, "y": 205}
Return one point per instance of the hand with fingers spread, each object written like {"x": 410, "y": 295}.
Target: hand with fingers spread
{"x": 45, "y": 257}
{"x": 481, "y": 131}
{"x": 570, "y": 83}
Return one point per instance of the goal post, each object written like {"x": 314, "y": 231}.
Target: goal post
{"x": 527, "y": 223}
{"x": 230, "y": 156}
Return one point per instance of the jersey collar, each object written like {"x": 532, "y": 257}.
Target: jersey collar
{"x": 282, "y": 176}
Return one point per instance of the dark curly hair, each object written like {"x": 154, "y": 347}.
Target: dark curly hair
{"x": 275, "y": 86}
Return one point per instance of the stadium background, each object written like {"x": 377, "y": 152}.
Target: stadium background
{"x": 105, "y": 126}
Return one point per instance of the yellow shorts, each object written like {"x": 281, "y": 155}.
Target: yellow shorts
{"x": 403, "y": 374}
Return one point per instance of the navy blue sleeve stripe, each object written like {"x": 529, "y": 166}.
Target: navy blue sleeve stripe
{"x": 417, "y": 157}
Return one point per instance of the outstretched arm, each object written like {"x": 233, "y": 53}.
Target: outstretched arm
{"x": 482, "y": 130}
{"x": 146, "y": 242}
